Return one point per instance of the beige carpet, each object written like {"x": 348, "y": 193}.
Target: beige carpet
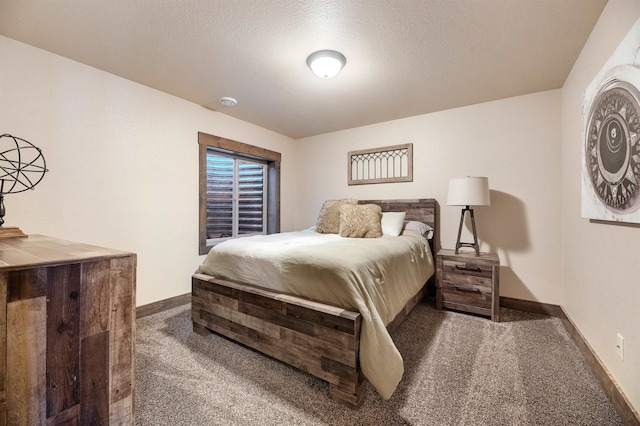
{"x": 459, "y": 370}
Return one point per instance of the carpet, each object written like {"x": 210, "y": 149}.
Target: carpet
{"x": 459, "y": 370}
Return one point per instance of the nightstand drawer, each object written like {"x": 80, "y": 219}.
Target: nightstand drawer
{"x": 479, "y": 296}
{"x": 467, "y": 273}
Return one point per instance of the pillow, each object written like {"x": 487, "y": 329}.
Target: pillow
{"x": 420, "y": 227}
{"x": 329, "y": 218}
{"x": 360, "y": 221}
{"x": 392, "y": 223}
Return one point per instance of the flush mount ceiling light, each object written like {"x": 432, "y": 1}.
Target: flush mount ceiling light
{"x": 227, "y": 101}
{"x": 326, "y": 63}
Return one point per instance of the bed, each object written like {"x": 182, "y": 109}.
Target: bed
{"x": 330, "y": 340}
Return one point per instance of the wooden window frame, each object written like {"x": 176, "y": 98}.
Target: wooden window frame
{"x": 232, "y": 147}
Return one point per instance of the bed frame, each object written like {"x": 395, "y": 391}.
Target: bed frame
{"x": 321, "y": 339}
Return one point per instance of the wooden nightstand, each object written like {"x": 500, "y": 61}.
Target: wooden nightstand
{"x": 470, "y": 283}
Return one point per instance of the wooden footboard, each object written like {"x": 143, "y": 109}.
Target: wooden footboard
{"x": 320, "y": 339}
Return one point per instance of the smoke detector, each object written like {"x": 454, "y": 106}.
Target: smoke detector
{"x": 227, "y": 101}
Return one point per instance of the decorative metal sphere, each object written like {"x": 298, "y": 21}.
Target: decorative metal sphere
{"x": 22, "y": 165}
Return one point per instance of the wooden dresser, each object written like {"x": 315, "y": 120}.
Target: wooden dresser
{"x": 67, "y": 333}
{"x": 468, "y": 283}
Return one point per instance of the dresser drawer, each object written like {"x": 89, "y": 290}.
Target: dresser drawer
{"x": 467, "y": 273}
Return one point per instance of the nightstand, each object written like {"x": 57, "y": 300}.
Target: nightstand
{"x": 467, "y": 282}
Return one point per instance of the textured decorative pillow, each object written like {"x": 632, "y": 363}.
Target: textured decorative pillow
{"x": 360, "y": 221}
{"x": 329, "y": 218}
{"x": 392, "y": 223}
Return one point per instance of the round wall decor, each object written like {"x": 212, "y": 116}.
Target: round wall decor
{"x": 612, "y": 151}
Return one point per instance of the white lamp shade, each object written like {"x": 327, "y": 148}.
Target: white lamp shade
{"x": 469, "y": 191}
{"x": 326, "y": 63}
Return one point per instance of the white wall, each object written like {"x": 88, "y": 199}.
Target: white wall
{"x": 600, "y": 263}
{"x": 123, "y": 161}
{"x": 515, "y": 142}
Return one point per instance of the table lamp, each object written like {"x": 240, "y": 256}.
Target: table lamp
{"x": 468, "y": 191}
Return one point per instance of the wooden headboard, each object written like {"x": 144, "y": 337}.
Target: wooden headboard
{"x": 421, "y": 210}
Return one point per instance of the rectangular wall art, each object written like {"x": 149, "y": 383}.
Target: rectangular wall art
{"x": 381, "y": 165}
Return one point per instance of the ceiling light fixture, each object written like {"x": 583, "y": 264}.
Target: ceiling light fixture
{"x": 227, "y": 101}
{"x": 326, "y": 63}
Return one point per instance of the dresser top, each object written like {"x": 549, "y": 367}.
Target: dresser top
{"x": 35, "y": 250}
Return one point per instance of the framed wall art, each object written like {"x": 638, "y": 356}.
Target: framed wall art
{"x": 611, "y": 137}
{"x": 380, "y": 165}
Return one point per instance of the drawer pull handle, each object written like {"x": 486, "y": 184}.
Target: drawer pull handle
{"x": 468, "y": 268}
{"x": 467, "y": 289}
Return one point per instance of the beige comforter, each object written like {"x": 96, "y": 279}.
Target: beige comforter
{"x": 374, "y": 276}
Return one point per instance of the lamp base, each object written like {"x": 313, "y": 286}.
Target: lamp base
{"x": 474, "y": 244}
{"x": 11, "y": 232}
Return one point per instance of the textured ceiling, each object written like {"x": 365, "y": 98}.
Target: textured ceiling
{"x": 404, "y": 57}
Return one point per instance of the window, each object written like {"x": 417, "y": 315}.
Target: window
{"x": 235, "y": 196}
{"x": 239, "y": 190}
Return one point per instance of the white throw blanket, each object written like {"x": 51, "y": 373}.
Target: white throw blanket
{"x": 374, "y": 276}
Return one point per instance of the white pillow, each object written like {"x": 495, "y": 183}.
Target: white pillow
{"x": 420, "y": 227}
{"x": 392, "y": 223}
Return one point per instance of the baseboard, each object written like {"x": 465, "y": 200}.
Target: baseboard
{"x": 162, "y": 305}
{"x": 531, "y": 307}
{"x": 620, "y": 402}
{"x": 623, "y": 407}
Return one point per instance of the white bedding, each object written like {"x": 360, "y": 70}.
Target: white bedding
{"x": 374, "y": 276}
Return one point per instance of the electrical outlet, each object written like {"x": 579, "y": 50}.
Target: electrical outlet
{"x": 620, "y": 346}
